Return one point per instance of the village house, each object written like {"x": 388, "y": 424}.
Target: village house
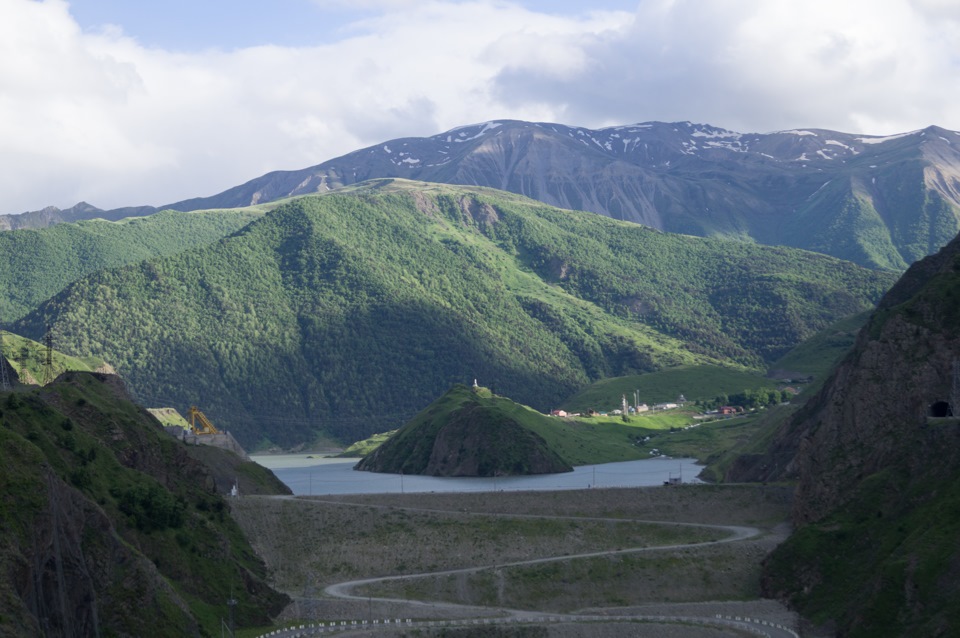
{"x": 730, "y": 409}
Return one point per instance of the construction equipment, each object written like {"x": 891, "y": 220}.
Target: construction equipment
{"x": 205, "y": 426}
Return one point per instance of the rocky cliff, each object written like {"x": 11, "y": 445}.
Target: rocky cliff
{"x": 876, "y": 457}
{"x": 874, "y": 409}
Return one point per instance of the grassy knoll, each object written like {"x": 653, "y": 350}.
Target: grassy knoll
{"x": 469, "y": 432}
{"x": 610, "y": 439}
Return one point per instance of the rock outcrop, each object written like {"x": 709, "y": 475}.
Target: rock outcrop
{"x": 876, "y": 458}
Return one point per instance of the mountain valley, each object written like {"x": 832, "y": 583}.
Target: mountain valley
{"x": 559, "y": 266}
{"x": 345, "y": 314}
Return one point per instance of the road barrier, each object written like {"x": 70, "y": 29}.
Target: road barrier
{"x": 756, "y": 626}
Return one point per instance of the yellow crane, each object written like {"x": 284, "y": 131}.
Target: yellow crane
{"x": 205, "y": 426}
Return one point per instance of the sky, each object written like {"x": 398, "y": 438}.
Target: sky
{"x": 121, "y": 103}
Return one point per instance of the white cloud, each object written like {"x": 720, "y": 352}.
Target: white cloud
{"x": 97, "y": 116}
{"x": 755, "y": 65}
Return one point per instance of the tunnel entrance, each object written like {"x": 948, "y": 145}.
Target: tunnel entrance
{"x": 941, "y": 409}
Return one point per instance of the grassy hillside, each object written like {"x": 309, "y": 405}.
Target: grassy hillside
{"x": 884, "y": 565}
{"x": 36, "y": 264}
{"x": 347, "y": 313}
{"x": 817, "y": 356}
{"x": 28, "y": 360}
{"x": 695, "y": 383}
{"x": 111, "y": 527}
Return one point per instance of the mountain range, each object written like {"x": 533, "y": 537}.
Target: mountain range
{"x": 882, "y": 202}
{"x": 345, "y": 314}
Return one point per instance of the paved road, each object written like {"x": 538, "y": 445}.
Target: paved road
{"x": 479, "y": 615}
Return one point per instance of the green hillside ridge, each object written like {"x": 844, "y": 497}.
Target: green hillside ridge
{"x": 110, "y": 527}
{"x": 28, "y": 358}
{"x": 345, "y": 314}
{"x": 467, "y": 432}
{"x": 37, "y": 264}
{"x": 817, "y": 356}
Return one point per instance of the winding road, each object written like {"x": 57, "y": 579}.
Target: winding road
{"x": 476, "y": 615}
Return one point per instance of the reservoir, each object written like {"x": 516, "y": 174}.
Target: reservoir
{"x": 317, "y": 475}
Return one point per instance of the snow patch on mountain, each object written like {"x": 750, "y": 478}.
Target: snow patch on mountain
{"x": 463, "y": 132}
{"x": 713, "y": 133}
{"x": 881, "y": 140}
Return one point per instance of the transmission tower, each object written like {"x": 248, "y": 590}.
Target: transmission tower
{"x": 48, "y": 356}
{"x": 23, "y": 359}
{"x": 5, "y": 383}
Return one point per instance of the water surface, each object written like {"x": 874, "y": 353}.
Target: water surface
{"x": 316, "y": 475}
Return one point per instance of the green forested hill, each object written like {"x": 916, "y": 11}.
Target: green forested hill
{"x": 469, "y": 432}
{"x": 36, "y": 264}
{"x": 109, "y": 528}
{"x": 347, "y": 313}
